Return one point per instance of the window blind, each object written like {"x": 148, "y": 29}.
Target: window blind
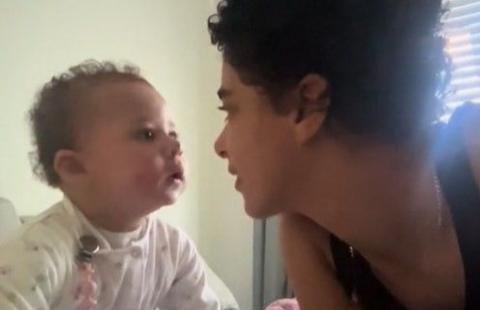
{"x": 462, "y": 29}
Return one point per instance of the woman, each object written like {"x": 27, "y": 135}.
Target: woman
{"x": 332, "y": 121}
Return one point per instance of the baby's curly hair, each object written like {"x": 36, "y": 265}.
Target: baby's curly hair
{"x": 384, "y": 59}
{"x": 53, "y": 115}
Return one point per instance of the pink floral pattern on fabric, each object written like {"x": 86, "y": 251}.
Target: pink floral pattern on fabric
{"x": 284, "y": 304}
{"x": 86, "y": 291}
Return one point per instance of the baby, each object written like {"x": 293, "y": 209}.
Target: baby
{"x": 105, "y": 139}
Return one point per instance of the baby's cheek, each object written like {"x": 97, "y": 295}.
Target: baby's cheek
{"x": 146, "y": 179}
{"x": 149, "y": 173}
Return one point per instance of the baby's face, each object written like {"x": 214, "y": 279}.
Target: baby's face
{"x": 130, "y": 149}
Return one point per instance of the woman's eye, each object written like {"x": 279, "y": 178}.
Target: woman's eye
{"x": 174, "y": 135}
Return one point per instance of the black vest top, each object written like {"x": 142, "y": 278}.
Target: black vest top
{"x": 461, "y": 193}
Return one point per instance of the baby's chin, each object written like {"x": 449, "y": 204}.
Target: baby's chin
{"x": 151, "y": 201}
{"x": 152, "y": 207}
{"x": 170, "y": 197}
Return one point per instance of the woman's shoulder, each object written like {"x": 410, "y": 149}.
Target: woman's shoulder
{"x": 306, "y": 254}
{"x": 299, "y": 234}
{"x": 298, "y": 227}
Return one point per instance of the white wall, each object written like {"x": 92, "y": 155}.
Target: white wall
{"x": 169, "y": 41}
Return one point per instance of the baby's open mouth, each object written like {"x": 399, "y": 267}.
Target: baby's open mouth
{"x": 177, "y": 176}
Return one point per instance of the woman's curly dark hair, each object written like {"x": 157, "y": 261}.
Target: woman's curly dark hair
{"x": 384, "y": 59}
{"x": 53, "y": 115}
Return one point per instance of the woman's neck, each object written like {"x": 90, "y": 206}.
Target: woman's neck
{"x": 381, "y": 200}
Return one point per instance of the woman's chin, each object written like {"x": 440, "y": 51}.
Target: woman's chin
{"x": 258, "y": 210}
{"x": 256, "y": 213}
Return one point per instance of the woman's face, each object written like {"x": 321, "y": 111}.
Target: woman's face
{"x": 258, "y": 143}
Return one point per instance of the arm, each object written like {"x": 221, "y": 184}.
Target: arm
{"x": 189, "y": 290}
{"x": 305, "y": 251}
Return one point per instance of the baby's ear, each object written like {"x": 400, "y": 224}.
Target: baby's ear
{"x": 68, "y": 165}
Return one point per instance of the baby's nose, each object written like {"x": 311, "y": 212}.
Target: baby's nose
{"x": 176, "y": 149}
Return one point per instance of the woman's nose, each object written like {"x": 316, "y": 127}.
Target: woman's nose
{"x": 219, "y": 146}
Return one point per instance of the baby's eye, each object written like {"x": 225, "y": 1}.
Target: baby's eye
{"x": 147, "y": 135}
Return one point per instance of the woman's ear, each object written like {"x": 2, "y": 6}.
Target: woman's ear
{"x": 312, "y": 110}
{"x": 68, "y": 165}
